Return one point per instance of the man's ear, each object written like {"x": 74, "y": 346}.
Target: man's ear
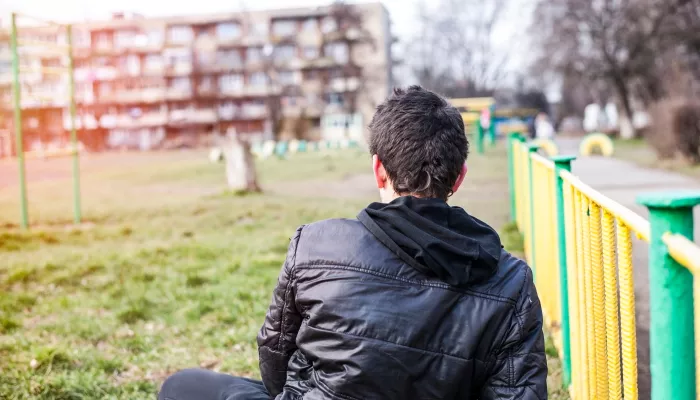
{"x": 379, "y": 172}
{"x": 460, "y": 178}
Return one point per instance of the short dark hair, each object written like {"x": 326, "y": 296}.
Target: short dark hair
{"x": 420, "y": 139}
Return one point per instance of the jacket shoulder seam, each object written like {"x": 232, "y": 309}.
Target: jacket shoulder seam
{"x": 487, "y": 296}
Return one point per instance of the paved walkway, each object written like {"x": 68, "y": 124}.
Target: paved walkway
{"x": 623, "y": 181}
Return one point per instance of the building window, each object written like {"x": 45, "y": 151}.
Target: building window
{"x": 338, "y": 51}
{"x": 284, "y": 53}
{"x": 228, "y": 31}
{"x": 155, "y": 37}
{"x": 287, "y": 78}
{"x": 206, "y": 58}
{"x": 334, "y": 99}
{"x": 253, "y": 55}
{"x": 103, "y": 40}
{"x": 231, "y": 82}
{"x": 284, "y": 27}
{"x": 123, "y": 39}
{"x": 180, "y": 34}
{"x": 153, "y": 62}
{"x": 311, "y": 75}
{"x": 229, "y": 58}
{"x": 259, "y": 30}
{"x": 257, "y": 79}
{"x": 328, "y": 25}
{"x": 310, "y": 25}
{"x": 310, "y": 52}
{"x": 181, "y": 84}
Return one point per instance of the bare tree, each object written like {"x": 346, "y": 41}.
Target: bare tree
{"x": 610, "y": 45}
{"x": 351, "y": 33}
{"x": 454, "y": 51}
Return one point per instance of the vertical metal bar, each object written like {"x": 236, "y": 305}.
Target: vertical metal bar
{"x": 596, "y": 257}
{"x": 73, "y": 132}
{"x": 563, "y": 163}
{"x": 628, "y": 323}
{"x": 672, "y": 338}
{"x": 19, "y": 140}
{"x": 612, "y": 321}
{"x": 590, "y": 318}
{"x": 585, "y": 371}
{"x": 531, "y": 196}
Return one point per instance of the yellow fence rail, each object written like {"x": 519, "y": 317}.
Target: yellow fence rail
{"x": 579, "y": 244}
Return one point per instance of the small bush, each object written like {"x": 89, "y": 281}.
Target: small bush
{"x": 675, "y": 129}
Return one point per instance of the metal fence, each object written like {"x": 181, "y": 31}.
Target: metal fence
{"x": 579, "y": 245}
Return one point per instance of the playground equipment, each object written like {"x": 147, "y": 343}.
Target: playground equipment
{"x": 579, "y": 245}
{"x": 23, "y": 51}
{"x": 596, "y": 141}
{"x": 477, "y": 113}
{"x": 548, "y": 146}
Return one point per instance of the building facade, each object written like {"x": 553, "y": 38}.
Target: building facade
{"x": 146, "y": 83}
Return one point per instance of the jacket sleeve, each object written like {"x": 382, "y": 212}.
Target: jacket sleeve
{"x": 277, "y": 337}
{"x": 519, "y": 370}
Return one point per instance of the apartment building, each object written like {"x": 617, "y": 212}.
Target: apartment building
{"x": 144, "y": 83}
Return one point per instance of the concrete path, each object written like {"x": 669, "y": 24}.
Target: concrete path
{"x": 623, "y": 182}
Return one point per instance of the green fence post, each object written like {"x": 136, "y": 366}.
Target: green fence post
{"x": 672, "y": 340}
{"x": 563, "y": 163}
{"x": 513, "y": 137}
{"x": 17, "y": 105}
{"x": 479, "y": 137}
{"x": 73, "y": 133}
{"x": 492, "y": 132}
{"x": 531, "y": 148}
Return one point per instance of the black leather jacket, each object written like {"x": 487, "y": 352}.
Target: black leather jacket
{"x": 414, "y": 300}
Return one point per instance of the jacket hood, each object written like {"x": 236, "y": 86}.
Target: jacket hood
{"x": 435, "y": 238}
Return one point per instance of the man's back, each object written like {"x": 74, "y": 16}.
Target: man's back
{"x": 415, "y": 300}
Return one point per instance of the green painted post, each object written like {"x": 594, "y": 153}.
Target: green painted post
{"x": 672, "y": 343}
{"x": 513, "y": 137}
{"x": 563, "y": 163}
{"x": 532, "y": 148}
{"x": 479, "y": 137}
{"x": 73, "y": 133}
{"x": 492, "y": 132}
{"x": 17, "y": 105}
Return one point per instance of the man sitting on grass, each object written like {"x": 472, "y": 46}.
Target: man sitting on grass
{"x": 414, "y": 299}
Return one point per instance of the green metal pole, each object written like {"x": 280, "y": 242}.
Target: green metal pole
{"x": 73, "y": 133}
{"x": 479, "y": 137}
{"x": 672, "y": 343}
{"x": 532, "y": 148}
{"x": 492, "y": 132}
{"x": 513, "y": 137}
{"x": 563, "y": 163}
{"x": 19, "y": 142}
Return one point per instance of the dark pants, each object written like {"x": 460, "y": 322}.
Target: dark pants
{"x": 201, "y": 384}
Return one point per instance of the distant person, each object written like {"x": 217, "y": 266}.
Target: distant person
{"x": 543, "y": 127}
{"x": 414, "y": 299}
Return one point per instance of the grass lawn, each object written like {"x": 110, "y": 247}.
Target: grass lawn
{"x": 640, "y": 153}
{"x": 169, "y": 270}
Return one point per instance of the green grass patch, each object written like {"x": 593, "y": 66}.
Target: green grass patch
{"x": 171, "y": 271}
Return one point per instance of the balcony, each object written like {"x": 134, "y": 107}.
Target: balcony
{"x": 105, "y": 73}
{"x": 192, "y": 116}
{"x": 344, "y": 84}
{"x": 253, "y": 112}
{"x": 149, "y": 119}
{"x": 312, "y": 86}
{"x": 306, "y": 38}
{"x": 179, "y": 94}
{"x": 280, "y": 39}
{"x": 350, "y": 34}
{"x": 154, "y": 69}
{"x": 179, "y": 69}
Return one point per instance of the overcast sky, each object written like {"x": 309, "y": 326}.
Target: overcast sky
{"x": 402, "y": 12}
